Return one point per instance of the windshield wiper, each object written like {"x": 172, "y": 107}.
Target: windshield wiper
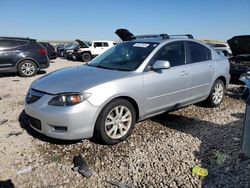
{"x": 103, "y": 67}
{"x": 109, "y": 68}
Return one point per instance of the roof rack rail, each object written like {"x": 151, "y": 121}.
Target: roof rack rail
{"x": 163, "y": 36}
{"x": 185, "y": 35}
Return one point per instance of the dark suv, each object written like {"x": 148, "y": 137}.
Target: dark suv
{"x": 22, "y": 55}
{"x": 52, "y": 54}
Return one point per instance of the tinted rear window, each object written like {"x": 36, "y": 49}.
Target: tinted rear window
{"x": 5, "y": 43}
{"x": 198, "y": 52}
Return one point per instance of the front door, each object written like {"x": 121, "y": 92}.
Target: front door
{"x": 166, "y": 88}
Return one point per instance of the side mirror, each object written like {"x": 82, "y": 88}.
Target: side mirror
{"x": 94, "y": 45}
{"x": 161, "y": 64}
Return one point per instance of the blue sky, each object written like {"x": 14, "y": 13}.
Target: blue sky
{"x": 98, "y": 19}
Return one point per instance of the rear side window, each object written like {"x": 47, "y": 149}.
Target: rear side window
{"x": 198, "y": 52}
{"x": 105, "y": 44}
{"x": 173, "y": 52}
{"x": 5, "y": 43}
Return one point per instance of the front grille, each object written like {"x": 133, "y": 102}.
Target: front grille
{"x": 33, "y": 96}
{"x": 36, "y": 123}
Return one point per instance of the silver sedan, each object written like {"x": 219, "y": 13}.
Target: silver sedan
{"x": 132, "y": 81}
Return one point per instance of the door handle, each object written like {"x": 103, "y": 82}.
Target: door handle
{"x": 210, "y": 68}
{"x": 184, "y": 73}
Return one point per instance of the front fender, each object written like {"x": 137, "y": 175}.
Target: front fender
{"x": 130, "y": 87}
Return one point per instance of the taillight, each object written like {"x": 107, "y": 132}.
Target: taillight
{"x": 42, "y": 51}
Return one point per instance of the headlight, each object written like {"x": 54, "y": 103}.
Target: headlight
{"x": 68, "y": 99}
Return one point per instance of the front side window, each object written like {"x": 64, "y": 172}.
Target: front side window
{"x": 126, "y": 56}
{"x": 173, "y": 52}
{"x": 198, "y": 52}
{"x": 98, "y": 44}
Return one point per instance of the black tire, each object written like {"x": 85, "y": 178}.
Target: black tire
{"x": 27, "y": 68}
{"x": 101, "y": 128}
{"x": 212, "y": 101}
{"x": 86, "y": 57}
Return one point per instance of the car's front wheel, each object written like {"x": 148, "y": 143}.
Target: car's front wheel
{"x": 115, "y": 122}
{"x": 27, "y": 68}
{"x": 217, "y": 94}
{"x": 86, "y": 57}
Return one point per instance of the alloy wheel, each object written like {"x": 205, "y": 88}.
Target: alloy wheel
{"x": 218, "y": 93}
{"x": 28, "y": 68}
{"x": 118, "y": 122}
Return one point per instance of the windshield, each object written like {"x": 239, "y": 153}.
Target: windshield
{"x": 126, "y": 56}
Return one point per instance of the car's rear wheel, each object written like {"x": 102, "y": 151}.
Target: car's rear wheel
{"x": 27, "y": 68}
{"x": 217, "y": 94}
{"x": 86, "y": 57}
{"x": 115, "y": 122}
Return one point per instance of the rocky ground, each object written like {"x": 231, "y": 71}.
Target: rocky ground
{"x": 161, "y": 151}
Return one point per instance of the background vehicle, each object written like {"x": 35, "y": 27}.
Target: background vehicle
{"x": 222, "y": 47}
{"x": 22, "y": 55}
{"x": 91, "y": 50}
{"x": 240, "y": 61}
{"x": 51, "y": 51}
{"x": 222, "y": 52}
{"x": 58, "y": 47}
{"x": 63, "y": 48}
{"x": 69, "y": 50}
{"x": 134, "y": 80}
{"x": 74, "y": 48}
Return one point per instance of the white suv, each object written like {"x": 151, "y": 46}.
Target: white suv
{"x": 95, "y": 48}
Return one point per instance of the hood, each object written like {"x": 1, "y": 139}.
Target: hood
{"x": 75, "y": 79}
{"x": 124, "y": 34}
{"x": 81, "y": 43}
{"x": 240, "y": 45}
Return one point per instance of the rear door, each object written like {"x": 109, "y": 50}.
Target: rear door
{"x": 202, "y": 70}
{"x": 168, "y": 87}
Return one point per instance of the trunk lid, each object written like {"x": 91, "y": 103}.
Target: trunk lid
{"x": 124, "y": 34}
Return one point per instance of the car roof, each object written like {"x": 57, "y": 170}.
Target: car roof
{"x": 160, "y": 40}
{"x": 17, "y": 38}
{"x": 103, "y": 41}
{"x": 151, "y": 40}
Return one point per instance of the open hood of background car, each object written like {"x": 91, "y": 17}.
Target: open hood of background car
{"x": 240, "y": 45}
{"x": 124, "y": 34}
{"x": 81, "y": 43}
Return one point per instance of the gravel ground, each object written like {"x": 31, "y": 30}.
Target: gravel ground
{"x": 161, "y": 151}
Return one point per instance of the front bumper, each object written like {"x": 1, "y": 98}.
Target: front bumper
{"x": 76, "y": 55}
{"x": 67, "y": 123}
